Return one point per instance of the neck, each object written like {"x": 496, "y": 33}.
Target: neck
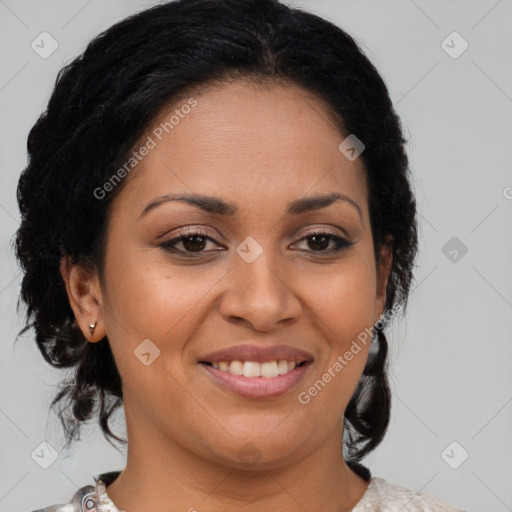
{"x": 161, "y": 475}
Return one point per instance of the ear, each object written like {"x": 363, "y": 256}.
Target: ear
{"x": 84, "y": 294}
{"x": 383, "y": 271}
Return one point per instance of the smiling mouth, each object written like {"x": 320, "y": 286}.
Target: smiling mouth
{"x": 257, "y": 371}
{"x": 267, "y": 369}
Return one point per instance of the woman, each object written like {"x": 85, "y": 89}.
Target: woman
{"x": 217, "y": 225}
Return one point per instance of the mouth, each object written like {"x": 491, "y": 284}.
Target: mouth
{"x": 257, "y": 372}
{"x": 267, "y": 369}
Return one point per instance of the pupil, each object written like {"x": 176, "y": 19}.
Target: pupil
{"x": 322, "y": 244}
{"x": 194, "y": 245}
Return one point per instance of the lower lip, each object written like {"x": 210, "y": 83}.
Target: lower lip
{"x": 259, "y": 387}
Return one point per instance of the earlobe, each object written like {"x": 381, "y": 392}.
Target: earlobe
{"x": 92, "y": 327}
{"x": 84, "y": 295}
{"x": 384, "y": 270}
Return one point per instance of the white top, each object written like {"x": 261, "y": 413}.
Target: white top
{"x": 380, "y": 496}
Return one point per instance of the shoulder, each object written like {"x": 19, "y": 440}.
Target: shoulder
{"x": 91, "y": 498}
{"x": 83, "y": 499}
{"x": 389, "y": 497}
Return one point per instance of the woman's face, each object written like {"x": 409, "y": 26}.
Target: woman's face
{"x": 262, "y": 283}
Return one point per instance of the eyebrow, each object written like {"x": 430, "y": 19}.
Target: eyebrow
{"x": 220, "y": 207}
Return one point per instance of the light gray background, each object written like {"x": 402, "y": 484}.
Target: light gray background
{"x": 450, "y": 358}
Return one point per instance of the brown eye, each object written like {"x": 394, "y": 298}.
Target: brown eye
{"x": 320, "y": 241}
{"x": 195, "y": 243}
{"x": 191, "y": 242}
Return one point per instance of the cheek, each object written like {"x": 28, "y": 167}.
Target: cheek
{"x": 344, "y": 297}
{"x": 150, "y": 298}
{"x": 147, "y": 291}
{"x": 344, "y": 317}
{"x": 342, "y": 305}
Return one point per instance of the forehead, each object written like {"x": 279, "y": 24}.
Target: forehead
{"x": 246, "y": 141}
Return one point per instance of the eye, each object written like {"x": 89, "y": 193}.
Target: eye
{"x": 319, "y": 241}
{"x": 192, "y": 241}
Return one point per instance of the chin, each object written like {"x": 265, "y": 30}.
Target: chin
{"x": 258, "y": 453}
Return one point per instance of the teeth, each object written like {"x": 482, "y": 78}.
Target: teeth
{"x": 236, "y": 367}
{"x": 251, "y": 369}
{"x": 268, "y": 369}
{"x": 282, "y": 367}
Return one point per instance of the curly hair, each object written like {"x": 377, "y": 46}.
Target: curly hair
{"x": 102, "y": 104}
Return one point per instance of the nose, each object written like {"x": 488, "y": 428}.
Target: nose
{"x": 259, "y": 295}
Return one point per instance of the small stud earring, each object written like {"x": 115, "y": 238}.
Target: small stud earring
{"x": 92, "y": 327}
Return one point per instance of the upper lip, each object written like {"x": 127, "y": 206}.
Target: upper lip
{"x": 258, "y": 354}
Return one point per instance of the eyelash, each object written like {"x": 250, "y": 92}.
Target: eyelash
{"x": 169, "y": 245}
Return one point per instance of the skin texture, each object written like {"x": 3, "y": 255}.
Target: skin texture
{"x": 258, "y": 147}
